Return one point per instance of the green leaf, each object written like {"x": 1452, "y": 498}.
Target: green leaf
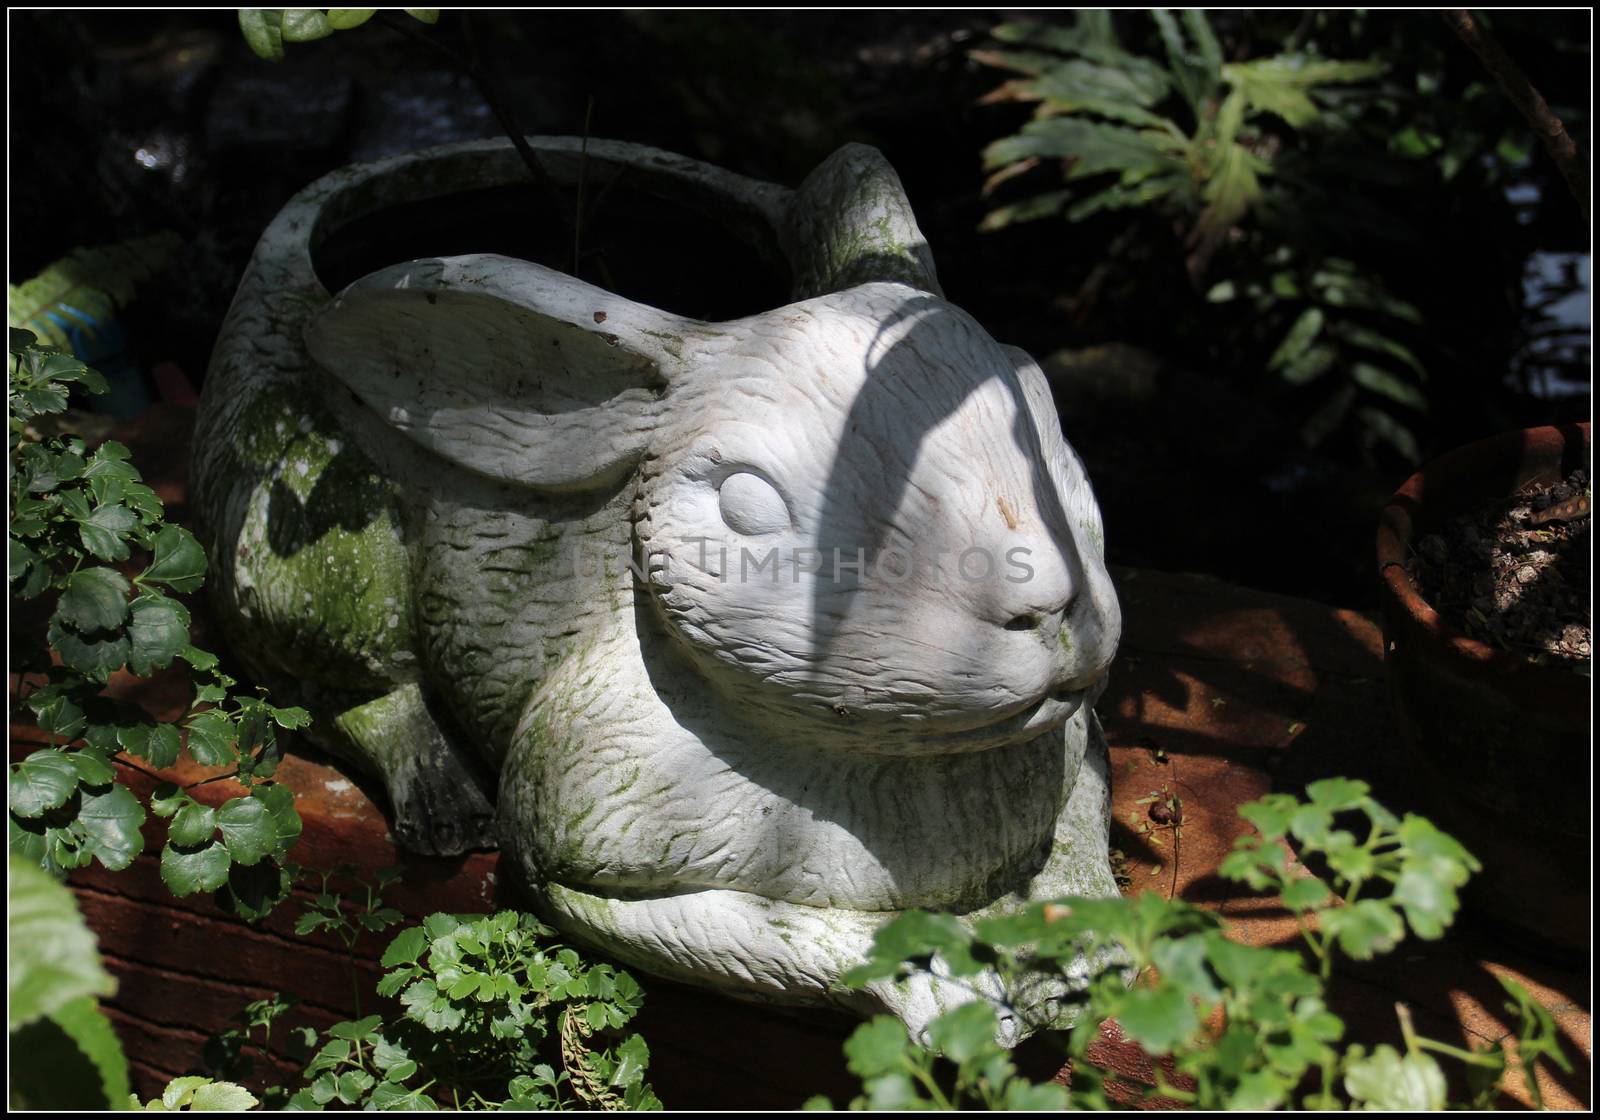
{"x": 1429, "y": 902}
{"x": 222, "y": 1096}
{"x": 633, "y": 1057}
{"x": 876, "y": 1047}
{"x": 194, "y": 825}
{"x": 405, "y": 948}
{"x": 1024, "y": 1097}
{"x": 52, "y": 958}
{"x": 211, "y": 739}
{"x": 1270, "y": 814}
{"x": 1298, "y": 340}
{"x": 1390, "y": 1082}
{"x": 94, "y": 769}
{"x": 1281, "y": 85}
{"x": 343, "y": 19}
{"x": 1232, "y": 190}
{"x": 1160, "y": 1019}
{"x": 1093, "y": 148}
{"x": 248, "y": 829}
{"x": 1365, "y": 928}
{"x": 178, "y": 560}
{"x": 1384, "y": 383}
{"x": 111, "y": 822}
{"x": 1305, "y": 894}
{"x": 102, "y": 532}
{"x": 156, "y": 743}
{"x": 94, "y": 599}
{"x": 263, "y": 30}
{"x": 42, "y": 781}
{"x": 303, "y": 25}
{"x": 424, "y": 15}
{"x": 158, "y": 633}
{"x": 204, "y": 869}
{"x": 965, "y": 1033}
{"x": 96, "y": 659}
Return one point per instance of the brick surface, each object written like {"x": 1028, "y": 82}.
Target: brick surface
{"x": 1220, "y": 695}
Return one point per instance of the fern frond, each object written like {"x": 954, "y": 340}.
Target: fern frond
{"x": 74, "y": 299}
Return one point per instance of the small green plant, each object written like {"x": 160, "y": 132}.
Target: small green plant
{"x": 496, "y": 1017}
{"x": 1241, "y": 1027}
{"x": 268, "y": 29}
{"x": 198, "y": 1094}
{"x": 79, "y": 294}
{"x": 1237, "y": 157}
{"x": 78, "y": 517}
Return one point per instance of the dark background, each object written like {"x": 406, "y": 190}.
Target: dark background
{"x": 130, "y": 123}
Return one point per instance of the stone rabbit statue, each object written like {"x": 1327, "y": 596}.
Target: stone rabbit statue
{"x": 738, "y": 637}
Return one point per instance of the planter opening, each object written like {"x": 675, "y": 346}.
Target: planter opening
{"x": 653, "y": 250}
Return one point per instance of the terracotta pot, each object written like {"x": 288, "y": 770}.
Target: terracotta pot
{"x": 1499, "y": 747}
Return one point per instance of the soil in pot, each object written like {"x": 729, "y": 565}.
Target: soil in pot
{"x": 1515, "y": 573}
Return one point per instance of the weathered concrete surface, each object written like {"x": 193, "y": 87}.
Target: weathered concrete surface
{"x": 1236, "y": 689}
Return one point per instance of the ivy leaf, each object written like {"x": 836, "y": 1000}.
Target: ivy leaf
{"x": 247, "y": 829}
{"x": 42, "y": 781}
{"x": 111, "y": 822}
{"x": 178, "y": 560}
{"x": 159, "y": 631}
{"x": 186, "y": 873}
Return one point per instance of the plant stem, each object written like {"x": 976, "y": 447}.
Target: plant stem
{"x": 497, "y": 105}
{"x": 1515, "y": 85}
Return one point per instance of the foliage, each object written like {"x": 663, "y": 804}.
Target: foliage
{"x": 1240, "y": 1027}
{"x": 74, "y": 298}
{"x": 268, "y": 29}
{"x": 199, "y": 1094}
{"x": 77, "y": 519}
{"x": 64, "y": 1052}
{"x": 495, "y": 1017}
{"x": 1289, "y": 175}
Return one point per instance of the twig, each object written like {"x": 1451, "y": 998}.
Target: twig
{"x": 1514, "y": 83}
{"x": 577, "y": 209}
{"x": 497, "y": 105}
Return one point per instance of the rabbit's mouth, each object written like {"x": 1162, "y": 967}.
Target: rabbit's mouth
{"x": 1048, "y": 713}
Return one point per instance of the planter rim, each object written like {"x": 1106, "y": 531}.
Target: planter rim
{"x": 1404, "y": 604}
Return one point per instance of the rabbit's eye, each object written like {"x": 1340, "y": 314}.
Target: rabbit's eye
{"x": 750, "y": 505}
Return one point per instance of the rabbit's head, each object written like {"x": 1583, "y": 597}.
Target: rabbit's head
{"x": 857, "y": 513}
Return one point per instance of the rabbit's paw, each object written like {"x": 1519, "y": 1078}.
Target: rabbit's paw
{"x": 921, "y": 997}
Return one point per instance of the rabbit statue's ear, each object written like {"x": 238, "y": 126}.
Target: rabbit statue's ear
{"x": 503, "y": 367}
{"x": 850, "y": 223}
